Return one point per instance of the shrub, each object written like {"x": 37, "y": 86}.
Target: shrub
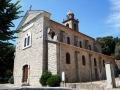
{"x": 11, "y": 80}
{"x": 54, "y": 80}
{"x": 44, "y": 77}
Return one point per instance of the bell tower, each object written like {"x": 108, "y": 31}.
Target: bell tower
{"x": 71, "y": 22}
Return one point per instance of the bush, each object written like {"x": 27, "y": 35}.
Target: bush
{"x": 11, "y": 80}
{"x": 54, "y": 80}
{"x": 44, "y": 77}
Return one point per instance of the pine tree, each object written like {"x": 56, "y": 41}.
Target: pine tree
{"x": 8, "y": 12}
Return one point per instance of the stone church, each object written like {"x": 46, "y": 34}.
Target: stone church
{"x": 44, "y": 44}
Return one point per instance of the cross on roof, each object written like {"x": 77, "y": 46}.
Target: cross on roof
{"x": 30, "y": 7}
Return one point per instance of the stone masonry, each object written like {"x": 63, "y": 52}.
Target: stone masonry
{"x": 44, "y": 44}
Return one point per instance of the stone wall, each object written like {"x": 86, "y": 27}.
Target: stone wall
{"x": 76, "y": 71}
{"x": 49, "y": 54}
{"x": 31, "y": 56}
{"x": 52, "y": 57}
{"x": 83, "y": 71}
{"x": 45, "y": 45}
{"x": 71, "y": 33}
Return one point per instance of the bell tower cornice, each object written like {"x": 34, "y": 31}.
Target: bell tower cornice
{"x": 70, "y": 21}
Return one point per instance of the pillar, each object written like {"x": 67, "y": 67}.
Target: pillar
{"x": 77, "y": 64}
{"x": 90, "y": 64}
{"x": 110, "y": 75}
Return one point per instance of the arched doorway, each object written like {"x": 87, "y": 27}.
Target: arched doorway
{"x": 25, "y": 73}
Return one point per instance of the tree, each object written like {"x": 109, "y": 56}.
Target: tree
{"x": 117, "y": 51}
{"x": 108, "y": 44}
{"x": 8, "y": 12}
{"x": 7, "y": 60}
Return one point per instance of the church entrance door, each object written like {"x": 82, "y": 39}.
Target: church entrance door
{"x": 25, "y": 73}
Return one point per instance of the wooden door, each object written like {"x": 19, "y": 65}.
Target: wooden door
{"x": 25, "y": 73}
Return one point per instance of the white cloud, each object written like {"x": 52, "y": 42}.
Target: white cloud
{"x": 115, "y": 4}
{"x": 113, "y": 20}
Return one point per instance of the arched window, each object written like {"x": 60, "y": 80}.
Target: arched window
{"x": 28, "y": 41}
{"x": 80, "y": 44}
{"x": 83, "y": 60}
{"x": 67, "y": 58}
{"x": 53, "y": 34}
{"x": 103, "y": 63}
{"x": 68, "y": 40}
{"x": 67, "y": 25}
{"x": 74, "y": 26}
{"x": 95, "y": 64}
{"x": 25, "y": 42}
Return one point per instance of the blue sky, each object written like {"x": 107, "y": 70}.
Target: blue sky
{"x": 97, "y": 18}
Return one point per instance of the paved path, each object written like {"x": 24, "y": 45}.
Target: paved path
{"x": 13, "y": 87}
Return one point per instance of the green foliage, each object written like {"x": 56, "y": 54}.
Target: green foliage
{"x": 8, "y": 12}
{"x": 8, "y": 72}
{"x": 6, "y": 60}
{"x": 48, "y": 79}
{"x": 44, "y": 77}
{"x": 11, "y": 80}
{"x": 108, "y": 44}
{"x": 54, "y": 80}
{"x": 117, "y": 51}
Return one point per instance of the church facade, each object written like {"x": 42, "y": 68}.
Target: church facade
{"x": 44, "y": 44}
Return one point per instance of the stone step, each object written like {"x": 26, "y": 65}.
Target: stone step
{"x": 25, "y": 84}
